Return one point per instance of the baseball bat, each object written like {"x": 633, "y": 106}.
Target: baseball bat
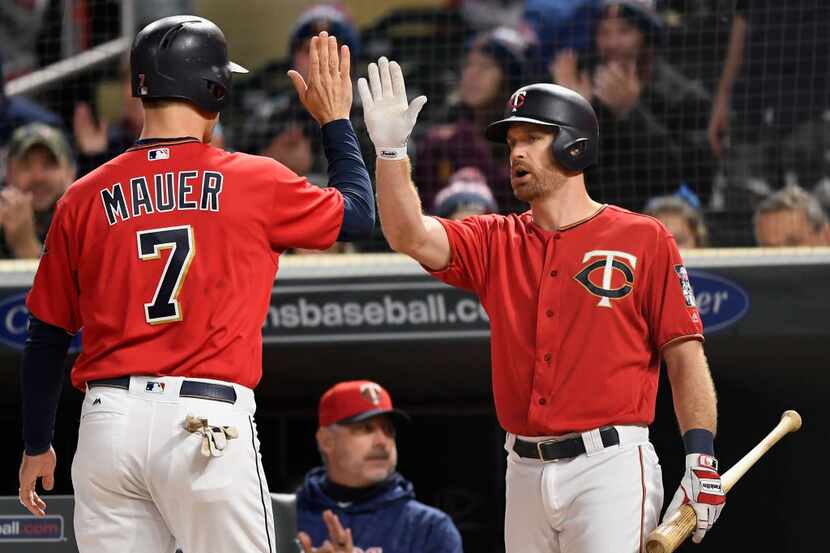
{"x": 668, "y": 536}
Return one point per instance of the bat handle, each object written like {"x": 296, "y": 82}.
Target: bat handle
{"x": 668, "y": 536}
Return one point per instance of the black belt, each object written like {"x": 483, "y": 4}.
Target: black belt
{"x": 189, "y": 388}
{"x": 554, "y": 450}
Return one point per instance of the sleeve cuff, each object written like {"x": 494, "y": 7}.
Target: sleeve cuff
{"x": 682, "y": 338}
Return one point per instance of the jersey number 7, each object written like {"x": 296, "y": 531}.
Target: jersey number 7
{"x": 165, "y": 306}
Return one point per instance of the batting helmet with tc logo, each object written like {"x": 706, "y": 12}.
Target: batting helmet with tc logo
{"x": 575, "y": 146}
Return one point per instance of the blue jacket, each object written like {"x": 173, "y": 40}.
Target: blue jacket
{"x": 390, "y": 521}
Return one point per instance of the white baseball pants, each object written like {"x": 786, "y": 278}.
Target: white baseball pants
{"x": 142, "y": 485}
{"x": 604, "y": 501}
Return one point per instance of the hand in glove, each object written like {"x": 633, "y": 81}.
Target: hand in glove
{"x": 388, "y": 117}
{"x": 701, "y": 488}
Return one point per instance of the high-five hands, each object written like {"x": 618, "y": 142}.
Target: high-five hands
{"x": 328, "y": 94}
{"x": 389, "y": 117}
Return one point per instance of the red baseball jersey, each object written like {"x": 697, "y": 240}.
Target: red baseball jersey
{"x": 578, "y": 317}
{"x": 166, "y": 257}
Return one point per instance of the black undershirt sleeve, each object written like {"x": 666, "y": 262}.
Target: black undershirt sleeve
{"x": 348, "y": 174}
{"x": 41, "y": 381}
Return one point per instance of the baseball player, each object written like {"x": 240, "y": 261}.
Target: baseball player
{"x": 584, "y": 301}
{"x": 166, "y": 257}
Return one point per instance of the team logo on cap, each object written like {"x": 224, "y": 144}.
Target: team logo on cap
{"x": 518, "y": 99}
{"x": 622, "y": 262}
{"x": 370, "y": 392}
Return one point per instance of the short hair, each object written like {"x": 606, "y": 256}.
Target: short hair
{"x": 792, "y": 197}
{"x": 678, "y": 206}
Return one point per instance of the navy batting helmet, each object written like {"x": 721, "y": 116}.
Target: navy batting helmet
{"x": 575, "y": 146}
{"x": 183, "y": 57}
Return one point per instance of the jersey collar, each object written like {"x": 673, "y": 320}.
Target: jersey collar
{"x": 151, "y": 142}
{"x": 592, "y": 216}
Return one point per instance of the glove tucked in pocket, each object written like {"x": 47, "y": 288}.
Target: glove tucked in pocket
{"x": 214, "y": 438}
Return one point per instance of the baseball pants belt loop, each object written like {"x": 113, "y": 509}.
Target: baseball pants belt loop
{"x": 189, "y": 388}
{"x": 555, "y": 450}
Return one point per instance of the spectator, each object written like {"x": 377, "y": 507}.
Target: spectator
{"x": 266, "y": 118}
{"x": 653, "y": 119}
{"x": 15, "y": 112}
{"x": 776, "y": 79}
{"x": 466, "y": 194}
{"x": 99, "y": 142}
{"x": 268, "y": 89}
{"x": 684, "y": 221}
{"x": 358, "y": 481}
{"x": 40, "y": 168}
{"x": 281, "y": 131}
{"x": 495, "y": 65}
{"x": 791, "y": 217}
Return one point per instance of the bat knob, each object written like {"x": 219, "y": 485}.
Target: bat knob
{"x": 794, "y": 417}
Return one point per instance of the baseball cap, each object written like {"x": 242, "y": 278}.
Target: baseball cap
{"x": 355, "y": 401}
{"x": 467, "y": 188}
{"x": 39, "y": 134}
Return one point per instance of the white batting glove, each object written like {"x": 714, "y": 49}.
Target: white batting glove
{"x": 388, "y": 117}
{"x": 701, "y": 488}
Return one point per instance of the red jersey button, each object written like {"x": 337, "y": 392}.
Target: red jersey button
{"x": 549, "y": 312}
{"x": 542, "y": 401}
{"x": 554, "y": 273}
{"x": 557, "y": 236}
{"x": 548, "y": 357}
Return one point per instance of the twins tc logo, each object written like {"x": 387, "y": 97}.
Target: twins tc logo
{"x": 518, "y": 99}
{"x": 370, "y": 392}
{"x": 612, "y": 260}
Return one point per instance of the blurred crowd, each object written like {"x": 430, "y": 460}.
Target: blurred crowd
{"x": 714, "y": 115}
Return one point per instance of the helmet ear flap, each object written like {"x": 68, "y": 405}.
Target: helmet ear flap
{"x": 574, "y": 154}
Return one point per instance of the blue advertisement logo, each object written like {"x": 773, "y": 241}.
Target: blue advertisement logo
{"x": 720, "y": 301}
{"x": 14, "y": 317}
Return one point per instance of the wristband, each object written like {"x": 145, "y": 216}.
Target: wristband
{"x": 392, "y": 153}
{"x": 699, "y": 440}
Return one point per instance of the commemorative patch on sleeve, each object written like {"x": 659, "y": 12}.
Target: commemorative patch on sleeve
{"x": 685, "y": 285}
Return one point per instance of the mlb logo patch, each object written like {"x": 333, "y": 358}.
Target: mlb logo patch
{"x": 158, "y": 153}
{"x": 155, "y": 387}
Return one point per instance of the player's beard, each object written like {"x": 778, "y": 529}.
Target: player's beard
{"x": 539, "y": 186}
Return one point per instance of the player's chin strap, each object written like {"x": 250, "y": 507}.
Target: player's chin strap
{"x": 214, "y": 438}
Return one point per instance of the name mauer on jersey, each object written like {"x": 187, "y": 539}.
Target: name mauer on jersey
{"x": 163, "y": 192}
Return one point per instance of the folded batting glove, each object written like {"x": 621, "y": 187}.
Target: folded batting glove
{"x": 701, "y": 488}
{"x": 389, "y": 118}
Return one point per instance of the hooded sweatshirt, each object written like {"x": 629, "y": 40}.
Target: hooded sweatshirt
{"x": 384, "y": 519}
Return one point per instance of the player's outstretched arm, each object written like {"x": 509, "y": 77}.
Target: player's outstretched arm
{"x": 390, "y": 120}
{"x": 328, "y": 98}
